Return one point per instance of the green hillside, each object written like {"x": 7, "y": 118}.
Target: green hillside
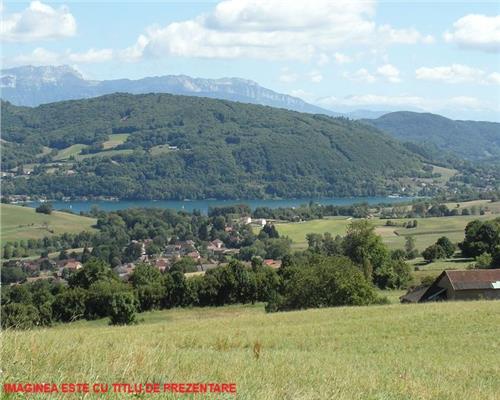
{"x": 426, "y": 233}
{"x": 189, "y": 147}
{"x": 420, "y": 352}
{"x": 19, "y": 223}
{"x": 472, "y": 140}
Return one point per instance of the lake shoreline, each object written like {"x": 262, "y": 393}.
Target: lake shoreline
{"x": 78, "y": 206}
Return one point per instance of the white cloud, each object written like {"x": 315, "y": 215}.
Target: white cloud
{"x": 91, "y": 56}
{"x": 476, "y": 32}
{"x": 37, "y": 22}
{"x": 41, "y": 56}
{"x": 361, "y": 75}
{"x": 315, "y": 76}
{"x": 269, "y": 29}
{"x": 389, "y": 72}
{"x": 404, "y": 101}
{"x": 386, "y": 72}
{"x": 456, "y": 73}
{"x": 323, "y": 60}
{"x": 38, "y": 56}
{"x": 288, "y": 76}
{"x": 494, "y": 78}
{"x": 342, "y": 58}
{"x": 403, "y": 36}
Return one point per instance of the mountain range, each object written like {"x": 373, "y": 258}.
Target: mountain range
{"x": 32, "y": 86}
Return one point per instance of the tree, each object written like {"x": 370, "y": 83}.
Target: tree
{"x": 8, "y": 251}
{"x": 433, "y": 252}
{"x": 271, "y": 231}
{"x": 20, "y": 316}
{"x": 323, "y": 282}
{"x": 411, "y": 251}
{"x": 447, "y": 245}
{"x": 481, "y": 237}
{"x": 95, "y": 270}
{"x": 44, "y": 208}
{"x": 12, "y": 274}
{"x": 70, "y": 305}
{"x": 364, "y": 247}
{"x": 122, "y": 309}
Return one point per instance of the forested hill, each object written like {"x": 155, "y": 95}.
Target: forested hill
{"x": 161, "y": 146}
{"x": 473, "y": 140}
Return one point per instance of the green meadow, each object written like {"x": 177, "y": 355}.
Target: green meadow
{"x": 426, "y": 233}
{"x": 398, "y": 352}
{"x": 20, "y": 223}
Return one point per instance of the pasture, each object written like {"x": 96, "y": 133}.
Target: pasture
{"x": 421, "y": 352}
{"x": 21, "y": 223}
{"x": 426, "y": 233}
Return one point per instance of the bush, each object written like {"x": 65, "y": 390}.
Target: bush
{"x": 446, "y": 245}
{"x": 44, "y": 208}
{"x": 70, "y": 305}
{"x": 323, "y": 282}
{"x": 20, "y": 316}
{"x": 122, "y": 309}
{"x": 433, "y": 252}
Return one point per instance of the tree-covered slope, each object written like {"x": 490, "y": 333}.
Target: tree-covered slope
{"x": 191, "y": 147}
{"x": 473, "y": 140}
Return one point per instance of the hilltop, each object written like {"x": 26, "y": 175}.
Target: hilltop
{"x": 177, "y": 147}
{"x": 473, "y": 140}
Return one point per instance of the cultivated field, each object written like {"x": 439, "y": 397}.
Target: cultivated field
{"x": 426, "y": 233}
{"x": 398, "y": 352}
{"x": 19, "y": 223}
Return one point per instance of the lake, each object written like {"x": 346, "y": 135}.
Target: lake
{"x": 203, "y": 205}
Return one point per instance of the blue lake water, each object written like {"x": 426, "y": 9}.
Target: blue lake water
{"x": 203, "y": 205}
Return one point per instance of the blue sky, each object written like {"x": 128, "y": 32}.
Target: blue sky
{"x": 441, "y": 57}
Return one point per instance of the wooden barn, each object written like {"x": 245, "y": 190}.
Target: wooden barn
{"x": 458, "y": 285}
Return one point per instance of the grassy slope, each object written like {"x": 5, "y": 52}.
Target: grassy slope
{"x": 66, "y": 153}
{"x": 19, "y": 223}
{"x": 426, "y": 351}
{"x": 115, "y": 140}
{"x": 427, "y": 232}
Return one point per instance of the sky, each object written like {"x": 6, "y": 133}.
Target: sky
{"x": 433, "y": 56}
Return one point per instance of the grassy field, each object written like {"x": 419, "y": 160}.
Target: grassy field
{"x": 115, "y": 140}
{"x": 394, "y": 352}
{"x": 66, "y": 153}
{"x": 107, "y": 153}
{"x": 18, "y": 223}
{"x": 426, "y": 233}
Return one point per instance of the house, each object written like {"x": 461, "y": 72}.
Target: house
{"x": 162, "y": 264}
{"x": 272, "y": 263}
{"x": 260, "y": 221}
{"x": 216, "y": 246}
{"x": 73, "y": 265}
{"x": 458, "y": 285}
{"x": 195, "y": 255}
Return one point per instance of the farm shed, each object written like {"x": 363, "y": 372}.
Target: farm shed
{"x": 459, "y": 285}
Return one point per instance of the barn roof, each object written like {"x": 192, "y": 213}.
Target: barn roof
{"x": 474, "y": 279}
{"x": 414, "y": 295}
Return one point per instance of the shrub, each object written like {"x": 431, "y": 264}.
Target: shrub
{"x": 44, "y": 208}
{"x": 122, "y": 309}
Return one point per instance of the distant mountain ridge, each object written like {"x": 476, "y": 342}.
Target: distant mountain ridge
{"x": 472, "y": 140}
{"x": 32, "y": 86}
